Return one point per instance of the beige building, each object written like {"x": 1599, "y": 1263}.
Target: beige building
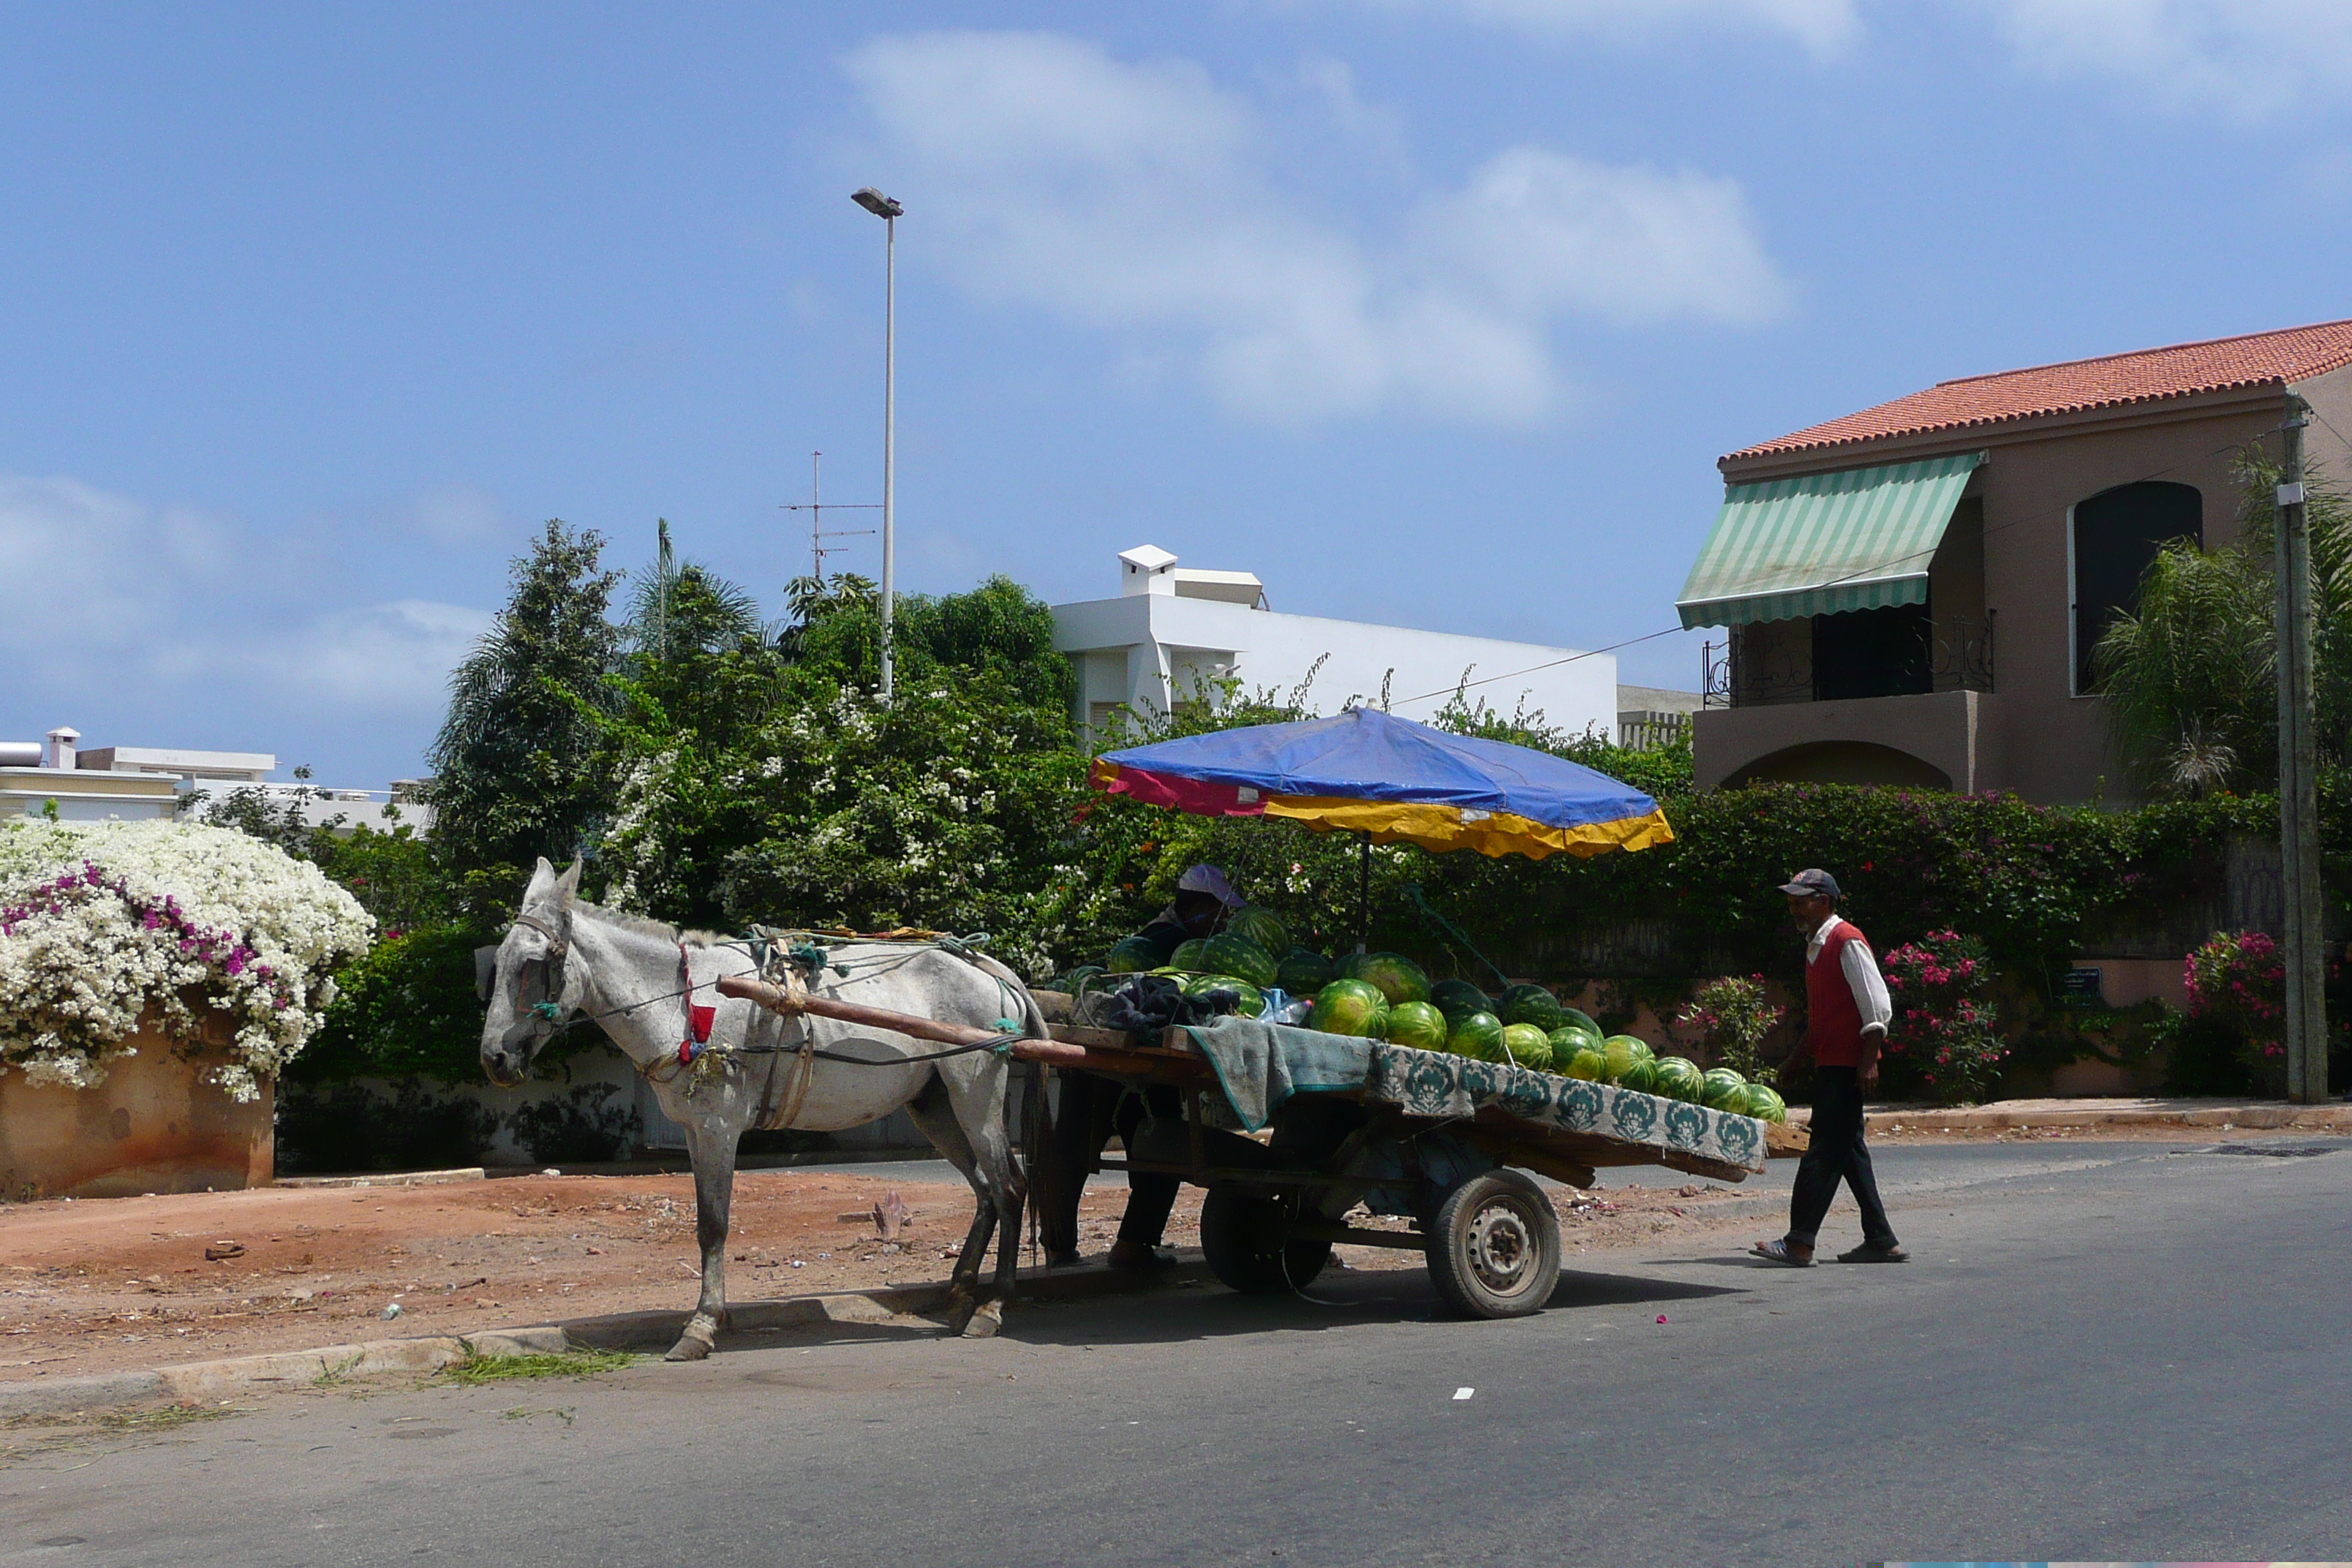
{"x": 1909, "y": 594}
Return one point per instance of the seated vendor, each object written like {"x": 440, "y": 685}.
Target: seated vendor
{"x": 1204, "y": 900}
{"x": 1093, "y": 1107}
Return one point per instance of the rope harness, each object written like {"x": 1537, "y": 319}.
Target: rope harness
{"x": 793, "y": 960}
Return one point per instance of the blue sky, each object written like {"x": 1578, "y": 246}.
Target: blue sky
{"x": 1435, "y": 313}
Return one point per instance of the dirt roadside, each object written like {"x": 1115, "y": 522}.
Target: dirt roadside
{"x": 97, "y": 1286}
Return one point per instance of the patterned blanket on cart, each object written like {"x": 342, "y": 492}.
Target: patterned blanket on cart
{"x": 1260, "y": 1065}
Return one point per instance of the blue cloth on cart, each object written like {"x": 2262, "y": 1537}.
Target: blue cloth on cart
{"x": 1260, "y": 1065}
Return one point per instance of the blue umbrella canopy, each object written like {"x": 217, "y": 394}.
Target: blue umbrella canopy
{"x": 1368, "y": 772}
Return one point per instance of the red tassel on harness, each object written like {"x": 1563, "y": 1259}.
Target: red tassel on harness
{"x": 704, "y": 1018}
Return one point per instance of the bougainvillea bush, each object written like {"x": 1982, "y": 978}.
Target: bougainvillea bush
{"x": 2237, "y": 979}
{"x": 1732, "y": 1017}
{"x": 101, "y": 922}
{"x": 1943, "y": 1037}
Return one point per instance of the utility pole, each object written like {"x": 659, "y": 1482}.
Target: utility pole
{"x": 2306, "y": 1002}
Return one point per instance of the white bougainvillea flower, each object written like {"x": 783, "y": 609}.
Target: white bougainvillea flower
{"x": 103, "y": 922}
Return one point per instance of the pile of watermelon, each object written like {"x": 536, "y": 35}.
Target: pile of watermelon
{"x": 1387, "y": 997}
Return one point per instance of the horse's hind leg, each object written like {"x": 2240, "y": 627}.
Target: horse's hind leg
{"x": 976, "y": 1089}
{"x": 936, "y": 1117}
{"x": 713, "y": 1151}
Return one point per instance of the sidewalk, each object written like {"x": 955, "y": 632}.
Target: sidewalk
{"x": 2002, "y": 1115}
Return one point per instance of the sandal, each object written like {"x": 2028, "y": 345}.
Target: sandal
{"x": 1869, "y": 1253}
{"x": 1780, "y": 1252}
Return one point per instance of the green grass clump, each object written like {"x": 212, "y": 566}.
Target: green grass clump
{"x": 477, "y": 1369}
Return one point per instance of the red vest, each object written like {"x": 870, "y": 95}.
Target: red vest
{"x": 1833, "y": 1022}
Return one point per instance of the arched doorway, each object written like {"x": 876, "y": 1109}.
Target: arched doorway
{"x": 1842, "y": 762}
{"x": 2116, "y": 535}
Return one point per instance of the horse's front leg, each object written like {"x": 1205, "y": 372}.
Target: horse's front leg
{"x": 710, "y": 1142}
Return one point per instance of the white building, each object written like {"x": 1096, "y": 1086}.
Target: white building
{"x": 1173, "y": 632}
{"x": 131, "y": 782}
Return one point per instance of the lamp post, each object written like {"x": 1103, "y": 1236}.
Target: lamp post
{"x": 889, "y": 212}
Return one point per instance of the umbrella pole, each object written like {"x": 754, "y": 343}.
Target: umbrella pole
{"x": 1364, "y": 894}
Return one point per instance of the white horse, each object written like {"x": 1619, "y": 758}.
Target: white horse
{"x": 643, "y": 983}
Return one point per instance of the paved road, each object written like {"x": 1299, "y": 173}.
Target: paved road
{"x": 2104, "y": 1351}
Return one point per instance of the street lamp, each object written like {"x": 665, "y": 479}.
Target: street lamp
{"x": 889, "y": 212}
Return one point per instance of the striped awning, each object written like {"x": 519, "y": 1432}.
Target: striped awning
{"x": 1858, "y": 539}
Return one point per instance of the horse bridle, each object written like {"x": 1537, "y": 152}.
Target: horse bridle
{"x": 548, "y": 980}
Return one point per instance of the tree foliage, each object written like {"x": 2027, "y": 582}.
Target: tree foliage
{"x": 513, "y": 774}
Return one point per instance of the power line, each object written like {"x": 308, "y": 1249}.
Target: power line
{"x": 1876, "y": 568}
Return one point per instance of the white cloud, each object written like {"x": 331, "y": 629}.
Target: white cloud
{"x": 106, "y": 591}
{"x": 1143, "y": 199}
{"x": 1823, "y": 26}
{"x": 2252, "y": 58}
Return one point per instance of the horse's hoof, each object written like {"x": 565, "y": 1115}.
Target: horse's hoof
{"x": 701, "y": 1333}
{"x": 984, "y": 1322}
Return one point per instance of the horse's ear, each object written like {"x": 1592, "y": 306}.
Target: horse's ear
{"x": 542, "y": 883}
{"x": 567, "y": 887}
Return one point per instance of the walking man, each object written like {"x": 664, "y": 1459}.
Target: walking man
{"x": 1846, "y": 1011}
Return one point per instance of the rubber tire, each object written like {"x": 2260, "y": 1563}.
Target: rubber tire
{"x": 1456, "y": 1272}
{"x": 1241, "y": 1238}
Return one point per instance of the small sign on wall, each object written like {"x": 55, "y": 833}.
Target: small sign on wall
{"x": 2080, "y": 988}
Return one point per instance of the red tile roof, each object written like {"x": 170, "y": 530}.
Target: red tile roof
{"x": 2145, "y": 376}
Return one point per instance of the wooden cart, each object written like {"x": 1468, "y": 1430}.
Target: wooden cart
{"x": 1274, "y": 1205}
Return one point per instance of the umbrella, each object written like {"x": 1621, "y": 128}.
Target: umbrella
{"x": 1391, "y": 780}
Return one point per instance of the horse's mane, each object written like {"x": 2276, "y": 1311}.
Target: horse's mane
{"x": 644, "y": 925}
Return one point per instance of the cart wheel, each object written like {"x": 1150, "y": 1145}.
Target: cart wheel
{"x": 1493, "y": 1247}
{"x": 1242, "y": 1238}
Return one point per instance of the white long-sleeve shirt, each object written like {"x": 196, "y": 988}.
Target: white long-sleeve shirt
{"x": 1870, "y": 999}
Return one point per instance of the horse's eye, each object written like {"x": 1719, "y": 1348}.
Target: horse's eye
{"x": 485, "y": 972}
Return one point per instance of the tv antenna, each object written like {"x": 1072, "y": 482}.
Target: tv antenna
{"x": 815, "y": 507}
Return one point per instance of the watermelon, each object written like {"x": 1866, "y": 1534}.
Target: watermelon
{"x": 1399, "y": 977}
{"x": 1226, "y": 954}
{"x": 1724, "y": 1089}
{"x": 1418, "y": 1024}
{"x": 1678, "y": 1078}
{"x": 1134, "y": 954}
{"x": 1382, "y": 1016}
{"x": 1457, "y": 999}
{"x": 1187, "y": 955}
{"x": 1528, "y": 1045}
{"x": 1303, "y": 972}
{"x": 1642, "y": 1077}
{"x": 1529, "y": 1005}
{"x": 1569, "y": 1019}
{"x": 1623, "y": 1052}
{"x": 1765, "y": 1103}
{"x": 1480, "y": 1035}
{"x": 1249, "y": 1002}
{"x": 1263, "y": 927}
{"x": 1578, "y": 1056}
{"x": 1075, "y": 982}
{"x": 1348, "y": 1008}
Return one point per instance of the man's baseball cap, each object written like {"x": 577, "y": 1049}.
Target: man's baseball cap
{"x": 1810, "y": 882}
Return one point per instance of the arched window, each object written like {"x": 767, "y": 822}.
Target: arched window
{"x": 2116, "y": 535}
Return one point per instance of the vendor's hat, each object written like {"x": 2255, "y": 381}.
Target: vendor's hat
{"x": 1210, "y": 880}
{"x": 1810, "y": 882}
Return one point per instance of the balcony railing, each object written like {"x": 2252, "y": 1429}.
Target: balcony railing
{"x": 1956, "y": 654}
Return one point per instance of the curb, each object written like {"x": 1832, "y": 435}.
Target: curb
{"x": 214, "y": 1380}
{"x": 2257, "y": 1116}
{"x": 388, "y": 1179}
{"x": 217, "y": 1380}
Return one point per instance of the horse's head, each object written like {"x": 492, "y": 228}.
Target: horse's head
{"x": 529, "y": 980}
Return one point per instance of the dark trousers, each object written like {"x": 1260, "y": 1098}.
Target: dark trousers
{"x": 1091, "y": 1109}
{"x": 1836, "y": 1152}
